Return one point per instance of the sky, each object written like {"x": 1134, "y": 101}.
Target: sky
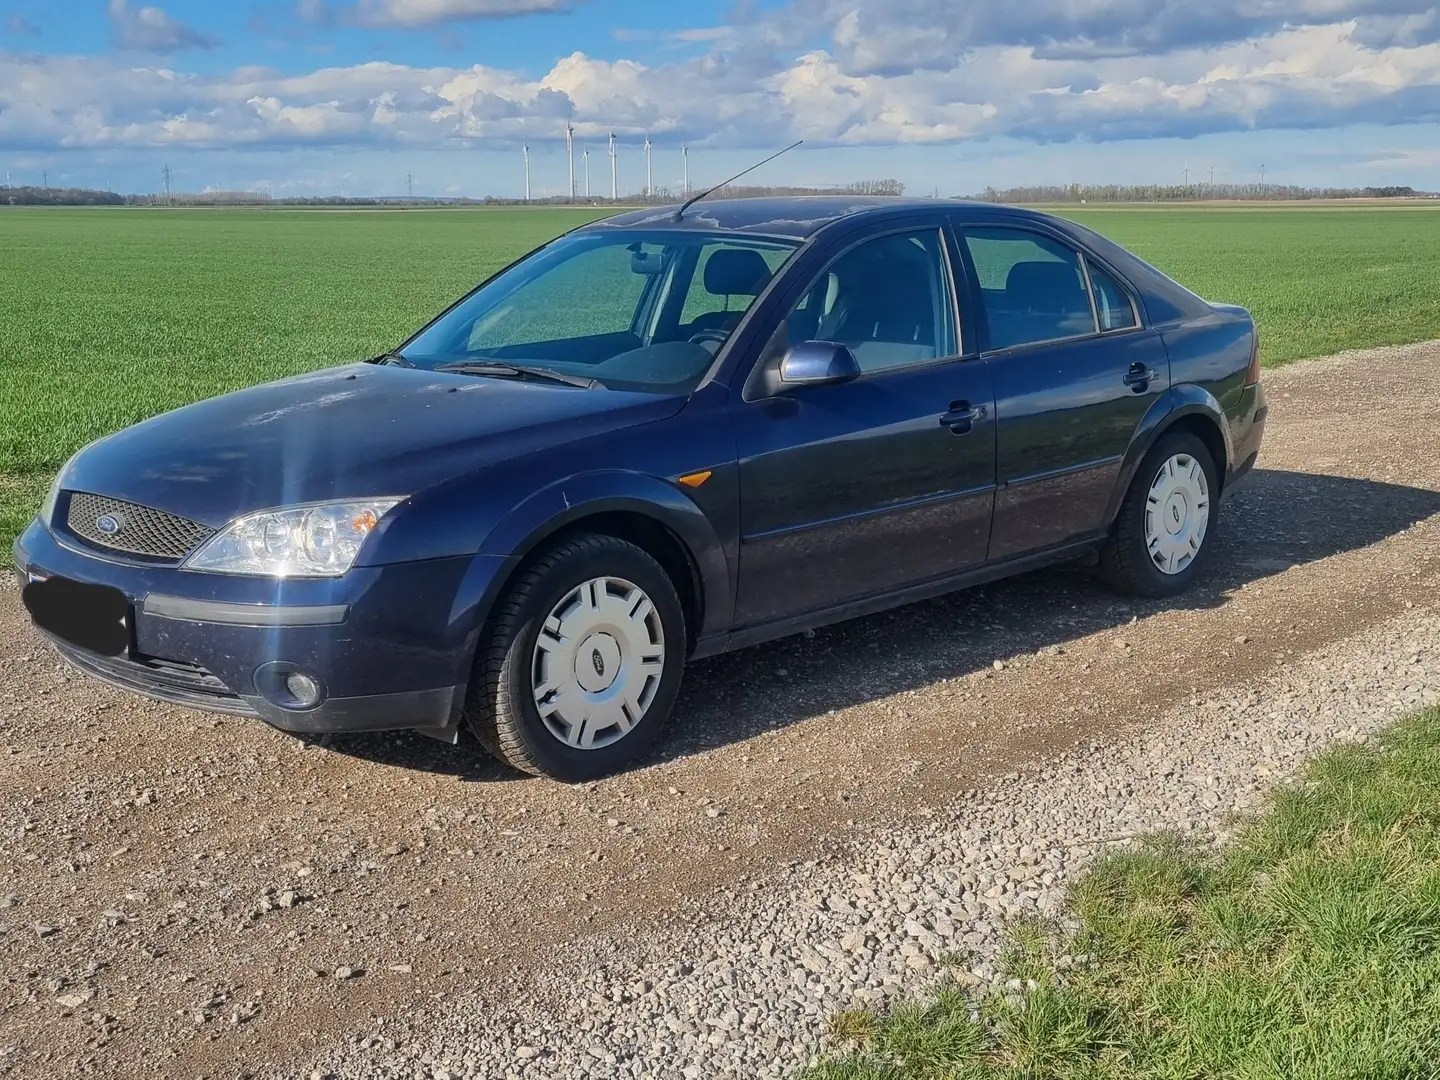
{"x": 308, "y": 97}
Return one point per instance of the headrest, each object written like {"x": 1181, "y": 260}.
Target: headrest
{"x": 736, "y": 272}
{"x": 1048, "y": 280}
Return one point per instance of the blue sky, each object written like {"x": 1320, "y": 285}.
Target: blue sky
{"x": 309, "y": 96}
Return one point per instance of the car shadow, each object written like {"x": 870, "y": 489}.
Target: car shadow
{"x": 1276, "y": 520}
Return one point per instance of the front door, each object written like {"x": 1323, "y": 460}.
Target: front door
{"x": 863, "y": 487}
{"x": 1074, "y": 374}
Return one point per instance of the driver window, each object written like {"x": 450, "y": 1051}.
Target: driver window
{"x": 887, "y": 299}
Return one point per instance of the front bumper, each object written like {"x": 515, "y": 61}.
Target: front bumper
{"x": 391, "y": 646}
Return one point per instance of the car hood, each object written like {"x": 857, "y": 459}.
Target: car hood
{"x": 358, "y": 430}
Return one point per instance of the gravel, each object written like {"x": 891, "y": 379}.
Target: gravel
{"x": 907, "y": 908}
{"x": 205, "y": 880}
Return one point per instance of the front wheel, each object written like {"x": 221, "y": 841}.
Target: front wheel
{"x": 1167, "y": 522}
{"x": 583, "y": 662}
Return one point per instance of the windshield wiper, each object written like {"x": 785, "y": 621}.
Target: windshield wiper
{"x": 521, "y": 371}
{"x": 392, "y": 358}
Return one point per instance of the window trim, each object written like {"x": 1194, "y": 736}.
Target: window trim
{"x": 936, "y": 226}
{"x": 964, "y": 228}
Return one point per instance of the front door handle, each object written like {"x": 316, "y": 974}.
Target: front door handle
{"x": 961, "y": 417}
{"x": 1139, "y": 377}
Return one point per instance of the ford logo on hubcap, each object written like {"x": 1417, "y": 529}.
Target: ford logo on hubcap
{"x": 598, "y": 661}
{"x": 108, "y": 524}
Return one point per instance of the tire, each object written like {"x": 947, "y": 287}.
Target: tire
{"x": 593, "y": 581}
{"x": 1135, "y": 558}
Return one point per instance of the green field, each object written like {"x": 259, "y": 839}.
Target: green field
{"x": 1305, "y": 949}
{"x": 109, "y": 316}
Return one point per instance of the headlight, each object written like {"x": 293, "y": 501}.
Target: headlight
{"x": 301, "y": 541}
{"x": 47, "y": 508}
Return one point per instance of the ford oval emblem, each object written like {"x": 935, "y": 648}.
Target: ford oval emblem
{"x": 108, "y": 524}
{"x": 598, "y": 661}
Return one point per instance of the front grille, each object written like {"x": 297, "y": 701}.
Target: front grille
{"x": 140, "y": 530}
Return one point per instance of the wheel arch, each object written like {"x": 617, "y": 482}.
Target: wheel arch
{"x": 645, "y": 511}
{"x": 1181, "y": 408}
{"x": 650, "y": 535}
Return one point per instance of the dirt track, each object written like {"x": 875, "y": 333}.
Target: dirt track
{"x": 170, "y": 883}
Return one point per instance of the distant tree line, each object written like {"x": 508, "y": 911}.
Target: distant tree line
{"x": 1159, "y": 193}
{"x": 860, "y": 187}
{"x": 1040, "y": 193}
{"x": 48, "y": 196}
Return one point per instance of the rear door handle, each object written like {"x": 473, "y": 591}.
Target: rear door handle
{"x": 1139, "y": 377}
{"x": 961, "y": 417}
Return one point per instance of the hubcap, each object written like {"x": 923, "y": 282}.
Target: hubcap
{"x": 598, "y": 662}
{"x": 1177, "y": 513}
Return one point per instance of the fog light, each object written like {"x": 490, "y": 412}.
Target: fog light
{"x": 304, "y": 689}
{"x": 289, "y": 686}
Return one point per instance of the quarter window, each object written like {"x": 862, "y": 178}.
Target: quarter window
{"x": 1112, "y": 303}
{"x": 887, "y": 299}
{"x": 1033, "y": 288}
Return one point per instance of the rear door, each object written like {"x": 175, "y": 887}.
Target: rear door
{"x": 1074, "y": 373}
{"x": 859, "y": 488}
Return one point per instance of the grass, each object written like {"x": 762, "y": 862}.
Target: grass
{"x": 1317, "y": 280}
{"x": 1308, "y": 948}
{"x": 110, "y": 316}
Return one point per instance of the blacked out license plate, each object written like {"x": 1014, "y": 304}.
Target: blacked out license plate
{"x": 92, "y": 617}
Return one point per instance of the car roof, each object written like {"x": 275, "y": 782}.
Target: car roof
{"x": 795, "y": 216}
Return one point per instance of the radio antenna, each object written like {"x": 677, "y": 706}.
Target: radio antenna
{"x": 710, "y": 191}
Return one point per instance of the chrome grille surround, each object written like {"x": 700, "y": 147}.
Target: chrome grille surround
{"x": 134, "y": 529}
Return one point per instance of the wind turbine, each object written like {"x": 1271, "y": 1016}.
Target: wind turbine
{"x": 570, "y": 153}
{"x": 614, "y": 181}
{"x": 586, "y": 156}
{"x": 649, "y": 175}
{"x": 525, "y": 149}
{"x": 685, "y": 166}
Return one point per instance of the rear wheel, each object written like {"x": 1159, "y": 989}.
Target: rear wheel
{"x": 1167, "y": 521}
{"x": 583, "y": 663}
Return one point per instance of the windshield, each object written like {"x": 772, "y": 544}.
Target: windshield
{"x": 632, "y": 310}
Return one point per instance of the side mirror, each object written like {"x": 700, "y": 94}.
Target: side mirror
{"x": 815, "y": 363}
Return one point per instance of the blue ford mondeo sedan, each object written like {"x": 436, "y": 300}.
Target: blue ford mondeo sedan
{"x": 658, "y": 437}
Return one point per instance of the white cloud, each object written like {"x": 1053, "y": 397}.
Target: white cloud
{"x": 411, "y": 13}
{"x": 151, "y": 29}
{"x": 754, "y": 89}
{"x": 892, "y": 36}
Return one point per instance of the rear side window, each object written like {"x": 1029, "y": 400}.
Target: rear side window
{"x": 1112, "y": 303}
{"x": 1033, "y": 288}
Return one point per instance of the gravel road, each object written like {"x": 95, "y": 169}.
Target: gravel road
{"x": 188, "y": 896}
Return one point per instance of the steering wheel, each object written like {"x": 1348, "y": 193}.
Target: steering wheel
{"x": 712, "y": 334}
